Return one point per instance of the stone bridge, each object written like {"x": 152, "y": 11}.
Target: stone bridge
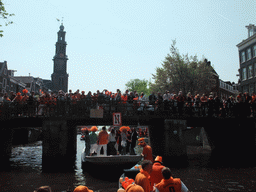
{"x": 232, "y": 139}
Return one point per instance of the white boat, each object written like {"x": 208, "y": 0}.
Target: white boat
{"x": 108, "y": 163}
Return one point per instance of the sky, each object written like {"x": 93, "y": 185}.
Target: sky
{"x": 110, "y": 42}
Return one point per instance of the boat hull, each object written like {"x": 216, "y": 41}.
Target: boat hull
{"x": 114, "y": 164}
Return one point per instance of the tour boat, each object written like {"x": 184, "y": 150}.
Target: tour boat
{"x": 109, "y": 163}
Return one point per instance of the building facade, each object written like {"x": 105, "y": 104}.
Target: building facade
{"x": 59, "y": 75}
{"x": 247, "y": 58}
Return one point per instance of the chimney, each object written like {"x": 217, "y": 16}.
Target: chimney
{"x": 251, "y": 30}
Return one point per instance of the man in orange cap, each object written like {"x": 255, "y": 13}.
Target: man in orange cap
{"x": 142, "y": 178}
{"x": 147, "y": 150}
{"x": 82, "y": 188}
{"x": 156, "y": 174}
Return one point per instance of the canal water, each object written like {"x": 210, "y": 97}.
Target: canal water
{"x": 26, "y": 174}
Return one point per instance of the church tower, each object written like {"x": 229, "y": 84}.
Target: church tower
{"x": 59, "y": 75}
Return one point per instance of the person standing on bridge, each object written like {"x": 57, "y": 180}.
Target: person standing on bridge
{"x": 102, "y": 141}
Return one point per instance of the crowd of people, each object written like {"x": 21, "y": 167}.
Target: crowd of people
{"x": 153, "y": 176}
{"x": 116, "y": 142}
{"x": 129, "y": 103}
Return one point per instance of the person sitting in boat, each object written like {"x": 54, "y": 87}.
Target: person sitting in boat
{"x": 82, "y": 188}
{"x": 156, "y": 175}
{"x": 93, "y": 140}
{"x": 43, "y": 189}
{"x": 147, "y": 150}
{"x": 168, "y": 183}
{"x": 142, "y": 178}
{"x": 102, "y": 141}
{"x": 111, "y": 149}
{"x": 130, "y": 186}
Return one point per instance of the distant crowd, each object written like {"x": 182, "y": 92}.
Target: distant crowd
{"x": 129, "y": 103}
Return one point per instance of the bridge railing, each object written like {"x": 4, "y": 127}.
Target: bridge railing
{"x": 82, "y": 109}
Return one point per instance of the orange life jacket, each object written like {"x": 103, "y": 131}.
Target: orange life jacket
{"x": 169, "y": 185}
{"x": 156, "y": 174}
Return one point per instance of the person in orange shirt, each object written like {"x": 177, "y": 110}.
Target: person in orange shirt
{"x": 102, "y": 141}
{"x": 169, "y": 184}
{"x": 142, "y": 178}
{"x": 156, "y": 175}
{"x": 147, "y": 150}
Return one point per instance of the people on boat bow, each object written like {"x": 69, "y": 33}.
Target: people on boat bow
{"x": 147, "y": 150}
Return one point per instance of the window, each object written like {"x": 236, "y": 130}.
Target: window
{"x": 244, "y": 74}
{"x": 249, "y": 54}
{"x": 242, "y": 57}
{"x": 254, "y": 51}
{"x": 28, "y": 85}
{"x": 4, "y": 83}
{"x": 245, "y": 88}
{"x": 250, "y": 71}
{"x": 250, "y": 32}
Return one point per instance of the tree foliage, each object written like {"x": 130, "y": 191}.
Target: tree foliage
{"x": 4, "y": 16}
{"x": 138, "y": 85}
{"x": 183, "y": 73}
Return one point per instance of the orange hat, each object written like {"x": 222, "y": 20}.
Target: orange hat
{"x": 141, "y": 141}
{"x": 125, "y": 127}
{"x": 82, "y": 188}
{"x": 159, "y": 159}
{"x": 94, "y": 129}
{"x": 18, "y": 93}
{"x": 25, "y": 91}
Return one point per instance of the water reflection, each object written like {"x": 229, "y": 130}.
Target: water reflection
{"x": 26, "y": 174}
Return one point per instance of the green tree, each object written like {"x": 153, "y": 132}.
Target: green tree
{"x": 4, "y": 16}
{"x": 138, "y": 85}
{"x": 183, "y": 73}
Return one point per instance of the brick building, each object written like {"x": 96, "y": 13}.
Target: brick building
{"x": 247, "y": 61}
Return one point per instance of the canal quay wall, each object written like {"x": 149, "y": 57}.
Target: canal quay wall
{"x": 232, "y": 140}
